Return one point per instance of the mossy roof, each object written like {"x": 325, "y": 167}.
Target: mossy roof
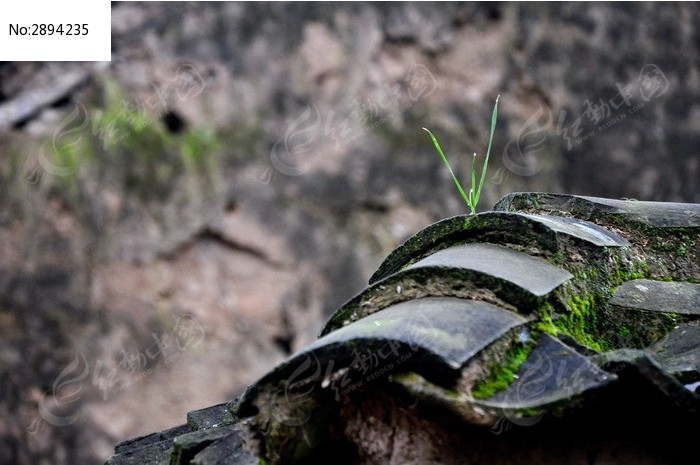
{"x": 573, "y": 285}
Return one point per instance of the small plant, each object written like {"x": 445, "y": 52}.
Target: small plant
{"x": 472, "y": 199}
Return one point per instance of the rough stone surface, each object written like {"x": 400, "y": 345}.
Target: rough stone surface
{"x": 137, "y": 443}
{"x": 187, "y": 446}
{"x": 93, "y": 263}
{"x": 210, "y": 417}
{"x": 155, "y": 453}
{"x": 228, "y": 450}
{"x": 533, "y": 274}
{"x": 659, "y": 296}
{"x": 679, "y": 352}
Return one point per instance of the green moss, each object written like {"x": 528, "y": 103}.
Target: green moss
{"x": 424, "y": 389}
{"x": 587, "y": 274}
{"x": 292, "y": 429}
{"x": 197, "y": 147}
{"x": 621, "y": 275}
{"x": 558, "y": 257}
{"x": 583, "y": 322}
{"x": 645, "y": 327}
{"x": 643, "y": 269}
{"x": 582, "y": 305}
{"x": 545, "y": 324}
{"x": 674, "y": 240}
{"x": 592, "y": 323}
{"x": 124, "y": 141}
{"x": 504, "y": 373}
{"x": 530, "y": 411}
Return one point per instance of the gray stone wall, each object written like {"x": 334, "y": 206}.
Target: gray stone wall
{"x": 247, "y": 166}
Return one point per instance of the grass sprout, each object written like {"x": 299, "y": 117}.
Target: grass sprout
{"x": 472, "y": 199}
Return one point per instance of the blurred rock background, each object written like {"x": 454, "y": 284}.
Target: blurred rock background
{"x": 177, "y": 221}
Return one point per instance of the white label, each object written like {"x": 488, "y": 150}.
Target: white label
{"x": 58, "y": 30}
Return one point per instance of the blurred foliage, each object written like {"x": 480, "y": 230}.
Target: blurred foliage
{"x": 119, "y": 141}
{"x": 197, "y": 148}
{"x": 133, "y": 143}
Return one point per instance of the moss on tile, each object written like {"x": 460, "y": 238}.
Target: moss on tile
{"x": 504, "y": 372}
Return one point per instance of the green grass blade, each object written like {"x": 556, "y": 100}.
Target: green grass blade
{"x": 472, "y": 192}
{"x": 447, "y": 163}
{"x": 494, "y": 117}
